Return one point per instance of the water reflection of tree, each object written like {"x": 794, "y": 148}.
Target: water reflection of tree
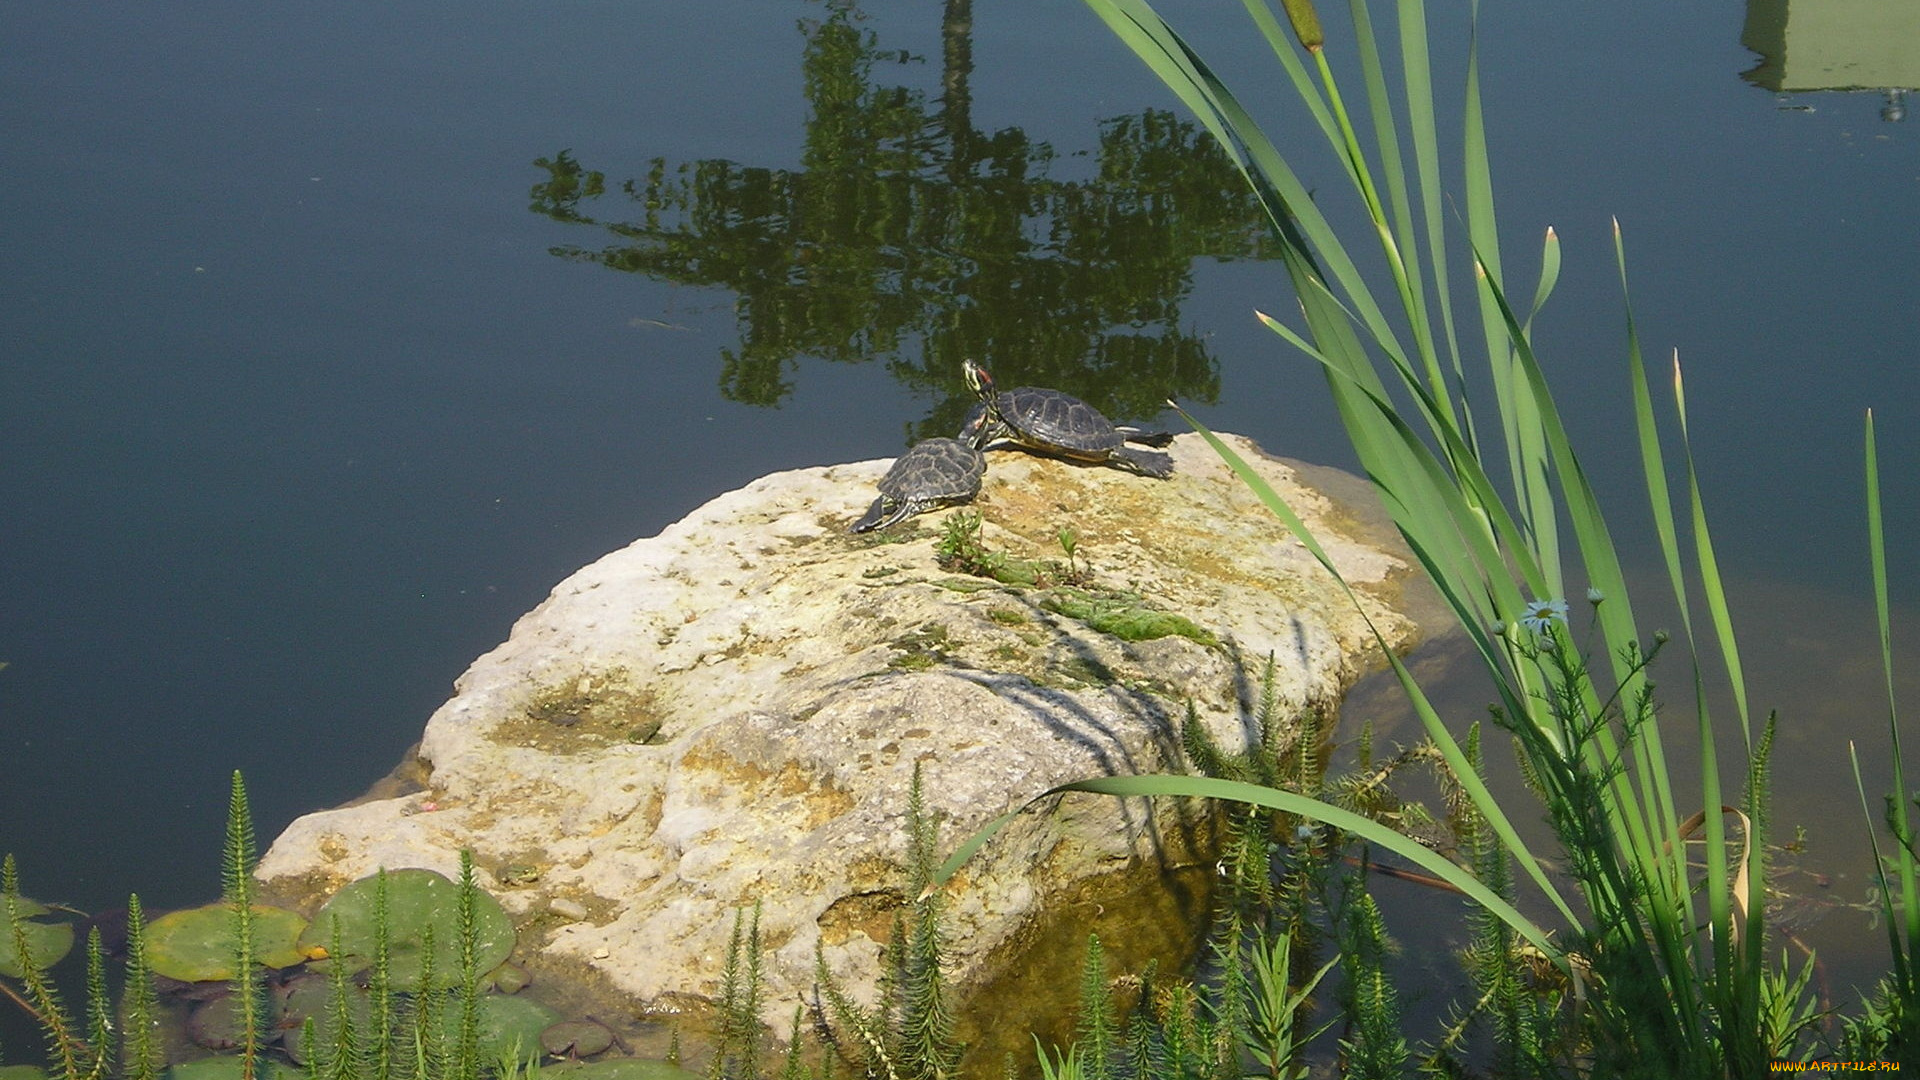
{"x": 909, "y": 235}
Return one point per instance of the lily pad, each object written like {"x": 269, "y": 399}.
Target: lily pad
{"x": 510, "y": 978}
{"x": 46, "y": 942}
{"x": 196, "y": 945}
{"x": 215, "y": 1025}
{"x": 22, "y": 1072}
{"x": 619, "y": 1069}
{"x": 416, "y": 900}
{"x": 507, "y": 1025}
{"x": 576, "y": 1038}
{"x": 310, "y": 997}
{"x": 227, "y": 1067}
{"x": 503, "y": 1022}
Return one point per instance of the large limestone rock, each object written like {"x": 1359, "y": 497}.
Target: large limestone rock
{"x": 729, "y": 713}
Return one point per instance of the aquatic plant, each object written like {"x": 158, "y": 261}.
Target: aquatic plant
{"x": 237, "y": 876}
{"x": 1889, "y": 1026}
{"x": 420, "y": 903}
{"x": 909, "y": 1035}
{"x": 139, "y": 1051}
{"x": 64, "y": 1047}
{"x": 197, "y": 944}
{"x": 1668, "y": 989}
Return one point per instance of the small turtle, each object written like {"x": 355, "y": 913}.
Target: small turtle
{"x": 933, "y": 473}
{"x": 1059, "y": 424}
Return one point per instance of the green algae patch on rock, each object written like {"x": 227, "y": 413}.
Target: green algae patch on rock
{"x": 417, "y": 900}
{"x": 1125, "y": 619}
{"x": 47, "y": 942}
{"x": 196, "y": 945}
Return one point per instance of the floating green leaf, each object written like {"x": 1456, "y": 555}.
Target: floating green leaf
{"x": 619, "y": 1069}
{"x": 307, "y": 998}
{"x": 576, "y": 1038}
{"x": 46, "y": 942}
{"x": 416, "y": 899}
{"x": 507, "y": 1023}
{"x": 22, "y": 1072}
{"x": 215, "y": 1024}
{"x": 227, "y": 1067}
{"x": 196, "y": 945}
{"x": 510, "y": 978}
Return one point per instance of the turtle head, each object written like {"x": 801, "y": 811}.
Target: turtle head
{"x": 978, "y": 380}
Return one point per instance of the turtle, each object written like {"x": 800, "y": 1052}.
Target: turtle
{"x": 978, "y": 415}
{"x": 1059, "y": 424}
{"x": 932, "y": 473}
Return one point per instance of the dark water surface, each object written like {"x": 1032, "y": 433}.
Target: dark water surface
{"x": 332, "y": 338}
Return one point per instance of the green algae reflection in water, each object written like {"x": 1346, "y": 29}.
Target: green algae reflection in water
{"x": 909, "y": 235}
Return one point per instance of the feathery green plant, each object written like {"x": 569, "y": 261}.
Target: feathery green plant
{"x": 736, "y": 1057}
{"x": 377, "y": 1057}
{"x": 64, "y": 1049}
{"x": 139, "y": 1052}
{"x": 466, "y": 1046}
{"x": 99, "y": 1009}
{"x": 342, "y": 1057}
{"x": 1375, "y": 1049}
{"x": 424, "y": 1031}
{"x": 909, "y": 1036}
{"x": 1099, "y": 1038}
{"x": 237, "y": 873}
{"x": 929, "y": 1049}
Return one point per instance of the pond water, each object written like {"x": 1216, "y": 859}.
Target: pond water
{"x": 334, "y": 338}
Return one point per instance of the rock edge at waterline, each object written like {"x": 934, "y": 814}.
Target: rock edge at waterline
{"x": 729, "y": 713}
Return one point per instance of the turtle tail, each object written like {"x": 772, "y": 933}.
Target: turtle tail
{"x": 1145, "y": 462}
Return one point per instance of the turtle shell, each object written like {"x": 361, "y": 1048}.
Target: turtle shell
{"x": 934, "y": 469}
{"x": 1059, "y": 422}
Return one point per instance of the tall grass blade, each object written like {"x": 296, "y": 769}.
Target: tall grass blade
{"x": 1905, "y": 949}
{"x": 1202, "y": 787}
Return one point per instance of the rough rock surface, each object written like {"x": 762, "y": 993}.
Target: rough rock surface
{"x": 730, "y": 713}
